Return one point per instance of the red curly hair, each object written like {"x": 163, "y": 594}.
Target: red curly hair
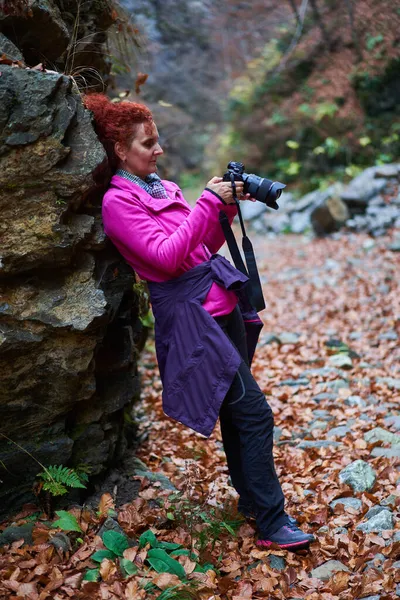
{"x": 116, "y": 122}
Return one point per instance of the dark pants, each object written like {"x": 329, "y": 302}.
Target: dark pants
{"x": 247, "y": 427}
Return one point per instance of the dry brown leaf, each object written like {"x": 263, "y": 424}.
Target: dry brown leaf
{"x": 140, "y": 80}
{"x": 107, "y": 569}
{"x": 106, "y": 503}
{"x": 166, "y": 580}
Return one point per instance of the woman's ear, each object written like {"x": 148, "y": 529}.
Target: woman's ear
{"x": 120, "y": 151}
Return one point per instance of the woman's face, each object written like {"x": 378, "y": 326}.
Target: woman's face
{"x": 140, "y": 157}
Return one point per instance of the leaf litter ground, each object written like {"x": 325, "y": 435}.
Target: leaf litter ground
{"x": 325, "y": 299}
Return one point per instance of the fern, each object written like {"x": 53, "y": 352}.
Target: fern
{"x": 56, "y": 479}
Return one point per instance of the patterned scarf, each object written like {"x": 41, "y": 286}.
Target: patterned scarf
{"x": 152, "y": 183}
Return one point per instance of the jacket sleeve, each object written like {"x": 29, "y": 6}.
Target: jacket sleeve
{"x": 215, "y": 238}
{"x": 128, "y": 221}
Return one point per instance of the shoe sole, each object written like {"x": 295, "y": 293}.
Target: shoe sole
{"x": 293, "y": 545}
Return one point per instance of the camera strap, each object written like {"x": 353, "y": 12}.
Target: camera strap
{"x": 254, "y": 288}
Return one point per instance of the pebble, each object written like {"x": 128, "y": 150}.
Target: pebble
{"x": 354, "y": 503}
{"x": 326, "y": 570}
{"x": 393, "y": 422}
{"x": 318, "y": 444}
{"x": 355, "y": 401}
{"x": 343, "y": 361}
{"x": 378, "y": 523}
{"x": 391, "y": 382}
{"x": 277, "y": 562}
{"x": 378, "y": 434}
{"x": 337, "y": 384}
{"x": 376, "y": 562}
{"x": 393, "y": 452}
{"x": 324, "y": 396}
{"x": 292, "y": 382}
{"x": 318, "y": 425}
{"x": 340, "y": 431}
{"x": 359, "y": 475}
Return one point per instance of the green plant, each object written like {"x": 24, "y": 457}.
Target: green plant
{"x": 67, "y": 521}
{"x": 56, "y": 479}
{"x": 372, "y": 41}
{"x": 325, "y": 109}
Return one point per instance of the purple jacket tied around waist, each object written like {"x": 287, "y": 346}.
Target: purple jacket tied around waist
{"x": 197, "y": 361}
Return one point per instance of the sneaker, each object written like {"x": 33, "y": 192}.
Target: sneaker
{"x": 288, "y": 537}
{"x": 250, "y": 514}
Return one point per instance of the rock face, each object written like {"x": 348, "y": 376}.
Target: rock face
{"x": 69, "y": 307}
{"x": 56, "y": 33}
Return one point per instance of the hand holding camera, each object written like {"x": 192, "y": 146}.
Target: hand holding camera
{"x": 224, "y": 190}
{"x": 259, "y": 188}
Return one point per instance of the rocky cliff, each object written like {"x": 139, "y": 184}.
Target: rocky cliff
{"x": 69, "y": 310}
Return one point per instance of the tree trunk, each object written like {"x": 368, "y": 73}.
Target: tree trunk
{"x": 296, "y": 12}
{"x": 354, "y": 35}
{"x": 325, "y": 35}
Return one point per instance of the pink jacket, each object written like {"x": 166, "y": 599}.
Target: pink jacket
{"x": 163, "y": 238}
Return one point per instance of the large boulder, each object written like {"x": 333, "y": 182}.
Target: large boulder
{"x": 69, "y": 311}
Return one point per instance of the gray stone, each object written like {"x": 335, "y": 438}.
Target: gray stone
{"x": 324, "y": 396}
{"x": 391, "y": 382}
{"x": 326, "y": 570}
{"x": 396, "y": 537}
{"x": 277, "y": 562}
{"x": 354, "y": 503}
{"x": 378, "y": 434}
{"x": 61, "y": 541}
{"x": 110, "y": 525}
{"x": 361, "y": 189}
{"x": 9, "y": 49}
{"x": 166, "y": 483}
{"x": 387, "y": 171}
{"x": 295, "y": 382}
{"x": 269, "y": 338}
{"x": 277, "y": 433}
{"x": 324, "y": 529}
{"x": 355, "y": 335}
{"x": 398, "y": 589}
{"x": 337, "y": 384}
{"x": 380, "y": 522}
{"x": 376, "y": 562}
{"x": 359, "y": 475}
{"x": 390, "y": 501}
{"x": 318, "y": 424}
{"x": 355, "y": 401}
{"x": 322, "y": 414}
{"x": 340, "y": 431}
{"x": 14, "y": 533}
{"x": 322, "y": 372}
{"x": 318, "y": 444}
{"x": 374, "y": 510}
{"x": 340, "y": 531}
{"x": 389, "y": 335}
{"x": 287, "y": 337}
{"x": 300, "y": 221}
{"x": 252, "y": 210}
{"x": 341, "y": 360}
{"x": 393, "y": 452}
{"x": 395, "y": 245}
{"x": 393, "y": 422}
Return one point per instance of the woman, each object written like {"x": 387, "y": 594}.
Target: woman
{"x": 200, "y": 335}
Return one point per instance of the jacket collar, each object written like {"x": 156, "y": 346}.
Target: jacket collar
{"x": 156, "y": 204}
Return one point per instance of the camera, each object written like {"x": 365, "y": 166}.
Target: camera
{"x": 262, "y": 189}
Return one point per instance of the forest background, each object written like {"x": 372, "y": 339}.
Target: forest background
{"x": 306, "y": 93}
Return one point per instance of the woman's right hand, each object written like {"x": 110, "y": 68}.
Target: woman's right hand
{"x": 224, "y": 189}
